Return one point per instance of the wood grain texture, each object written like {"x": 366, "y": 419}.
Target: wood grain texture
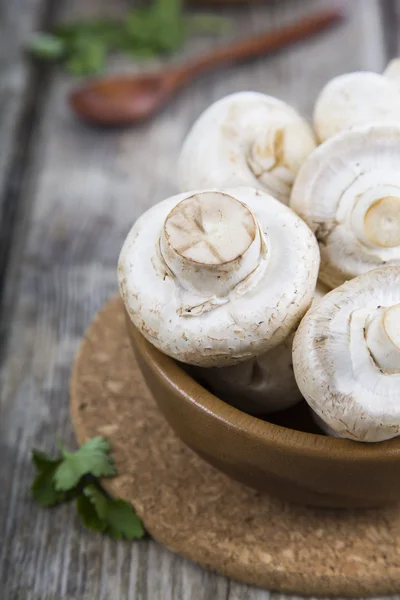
{"x": 17, "y": 20}
{"x": 83, "y": 188}
{"x": 20, "y": 83}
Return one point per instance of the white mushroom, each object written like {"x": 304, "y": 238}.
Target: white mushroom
{"x": 348, "y": 191}
{"x": 213, "y": 278}
{"x": 356, "y": 99}
{"x": 247, "y": 139}
{"x": 261, "y": 385}
{"x": 346, "y": 357}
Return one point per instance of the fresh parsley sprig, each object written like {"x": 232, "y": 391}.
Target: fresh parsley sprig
{"x": 146, "y": 31}
{"x": 73, "y": 476}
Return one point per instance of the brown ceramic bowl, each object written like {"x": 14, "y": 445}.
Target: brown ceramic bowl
{"x": 297, "y": 466}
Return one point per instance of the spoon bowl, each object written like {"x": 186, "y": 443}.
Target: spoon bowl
{"x": 120, "y": 100}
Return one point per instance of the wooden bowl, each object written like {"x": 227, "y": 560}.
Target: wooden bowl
{"x": 296, "y": 466}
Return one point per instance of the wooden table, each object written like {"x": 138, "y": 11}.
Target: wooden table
{"x": 68, "y": 196}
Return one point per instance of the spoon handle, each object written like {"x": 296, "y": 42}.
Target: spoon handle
{"x": 260, "y": 44}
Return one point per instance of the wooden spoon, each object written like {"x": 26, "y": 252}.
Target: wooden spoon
{"x": 126, "y": 100}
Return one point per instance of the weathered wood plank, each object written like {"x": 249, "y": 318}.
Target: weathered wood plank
{"x": 85, "y": 188}
{"x": 20, "y": 83}
{"x": 17, "y": 20}
{"x": 239, "y": 591}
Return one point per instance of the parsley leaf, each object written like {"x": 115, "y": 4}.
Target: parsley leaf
{"x": 43, "y": 490}
{"x": 118, "y": 516}
{"x": 104, "y": 29}
{"x": 87, "y": 512}
{"x": 87, "y": 56}
{"x": 41, "y": 460}
{"x": 123, "y": 522}
{"x": 97, "y": 499}
{"x": 46, "y": 46}
{"x": 73, "y": 475}
{"x": 171, "y": 32}
{"x": 91, "y": 458}
{"x": 159, "y": 28}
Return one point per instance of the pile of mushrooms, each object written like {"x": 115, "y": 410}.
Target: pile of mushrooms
{"x": 224, "y": 277}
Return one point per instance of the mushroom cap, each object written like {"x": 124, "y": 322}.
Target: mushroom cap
{"x": 353, "y": 100}
{"x": 346, "y": 357}
{"x": 218, "y": 298}
{"x": 246, "y": 139}
{"x": 348, "y": 192}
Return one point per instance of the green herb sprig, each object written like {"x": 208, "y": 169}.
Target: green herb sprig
{"x": 73, "y": 476}
{"x": 147, "y": 31}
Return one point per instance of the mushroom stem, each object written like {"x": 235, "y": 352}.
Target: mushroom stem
{"x": 246, "y": 139}
{"x": 211, "y": 242}
{"x": 265, "y": 151}
{"x": 382, "y": 222}
{"x": 266, "y": 159}
{"x": 392, "y": 71}
{"x": 382, "y": 335}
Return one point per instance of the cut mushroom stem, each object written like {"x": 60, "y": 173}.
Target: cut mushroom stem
{"x": 211, "y": 242}
{"x": 276, "y": 156}
{"x": 382, "y": 335}
{"x": 382, "y": 223}
{"x": 265, "y": 159}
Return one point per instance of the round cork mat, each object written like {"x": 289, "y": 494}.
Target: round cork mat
{"x": 203, "y": 515}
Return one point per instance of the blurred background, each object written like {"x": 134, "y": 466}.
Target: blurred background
{"x": 69, "y": 193}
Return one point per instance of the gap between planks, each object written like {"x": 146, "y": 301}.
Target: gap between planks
{"x": 390, "y": 16}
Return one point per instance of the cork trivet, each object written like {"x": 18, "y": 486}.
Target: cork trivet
{"x": 201, "y": 514}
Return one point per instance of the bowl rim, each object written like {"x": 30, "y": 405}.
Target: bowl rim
{"x": 172, "y": 375}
